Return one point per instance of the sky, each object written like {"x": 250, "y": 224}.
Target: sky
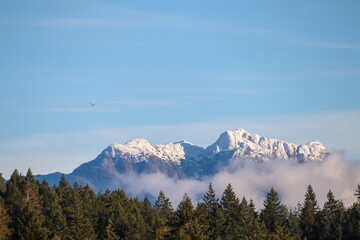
{"x": 172, "y": 70}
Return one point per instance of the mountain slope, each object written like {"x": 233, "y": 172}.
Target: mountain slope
{"x": 183, "y": 159}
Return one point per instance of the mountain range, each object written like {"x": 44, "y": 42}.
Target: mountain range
{"x": 181, "y": 160}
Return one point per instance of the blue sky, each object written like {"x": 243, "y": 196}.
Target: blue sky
{"x": 264, "y": 66}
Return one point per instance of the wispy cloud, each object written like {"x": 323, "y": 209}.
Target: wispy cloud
{"x": 335, "y": 45}
{"x": 130, "y": 18}
{"x": 110, "y": 106}
{"x": 74, "y": 22}
{"x": 254, "y": 91}
{"x": 74, "y": 110}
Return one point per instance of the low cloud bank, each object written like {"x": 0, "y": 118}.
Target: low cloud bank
{"x": 254, "y": 180}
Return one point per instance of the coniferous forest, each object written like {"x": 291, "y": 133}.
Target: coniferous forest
{"x": 32, "y": 210}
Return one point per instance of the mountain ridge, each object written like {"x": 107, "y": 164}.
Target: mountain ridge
{"x": 181, "y": 160}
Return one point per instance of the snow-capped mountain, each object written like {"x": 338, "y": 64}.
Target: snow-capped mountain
{"x": 183, "y": 159}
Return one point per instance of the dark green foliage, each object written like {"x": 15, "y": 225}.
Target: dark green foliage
{"x": 352, "y": 222}
{"x": 149, "y": 216}
{"x": 33, "y": 210}
{"x": 293, "y": 224}
{"x": 215, "y": 215}
{"x": 274, "y": 212}
{"x": 331, "y": 219}
{"x": 29, "y": 224}
{"x": 230, "y": 205}
{"x": 54, "y": 219}
{"x": 164, "y": 214}
{"x": 308, "y": 214}
{"x": 184, "y": 218}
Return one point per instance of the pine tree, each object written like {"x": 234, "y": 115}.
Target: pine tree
{"x": 293, "y": 224}
{"x": 109, "y": 233}
{"x": 5, "y": 220}
{"x": 357, "y": 193}
{"x": 89, "y": 204}
{"x": 308, "y": 214}
{"x": 2, "y": 186}
{"x": 79, "y": 227}
{"x": 280, "y": 233}
{"x": 274, "y": 211}
{"x": 184, "y": 218}
{"x": 13, "y": 196}
{"x": 230, "y": 205}
{"x": 215, "y": 215}
{"x": 29, "y": 224}
{"x": 201, "y": 226}
{"x": 54, "y": 219}
{"x": 148, "y": 214}
{"x": 136, "y": 226}
{"x": 164, "y": 213}
{"x": 247, "y": 218}
{"x": 352, "y": 218}
{"x": 332, "y": 219}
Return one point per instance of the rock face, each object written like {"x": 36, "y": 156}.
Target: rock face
{"x": 183, "y": 159}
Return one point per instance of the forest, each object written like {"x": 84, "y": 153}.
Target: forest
{"x": 31, "y": 210}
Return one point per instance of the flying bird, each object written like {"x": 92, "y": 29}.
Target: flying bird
{"x": 92, "y": 104}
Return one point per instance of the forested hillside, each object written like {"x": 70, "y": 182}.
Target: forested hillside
{"x": 30, "y": 209}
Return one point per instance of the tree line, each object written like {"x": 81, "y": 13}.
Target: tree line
{"x": 31, "y": 210}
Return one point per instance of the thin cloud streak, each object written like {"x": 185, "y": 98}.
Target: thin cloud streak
{"x": 130, "y": 18}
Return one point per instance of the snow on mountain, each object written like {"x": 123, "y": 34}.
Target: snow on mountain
{"x": 256, "y": 148}
{"x": 184, "y": 159}
{"x": 140, "y": 150}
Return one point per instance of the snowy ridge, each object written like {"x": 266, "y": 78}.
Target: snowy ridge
{"x": 254, "y": 147}
{"x": 239, "y": 142}
{"x": 183, "y": 159}
{"x": 141, "y": 149}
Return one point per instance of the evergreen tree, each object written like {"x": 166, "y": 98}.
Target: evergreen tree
{"x": 183, "y": 218}
{"x": 352, "y": 222}
{"x": 5, "y": 220}
{"x": 215, "y": 215}
{"x": 230, "y": 205}
{"x": 29, "y": 224}
{"x": 280, "y": 233}
{"x": 2, "y": 186}
{"x": 89, "y": 204}
{"x": 274, "y": 211}
{"x": 331, "y": 219}
{"x": 308, "y": 214}
{"x": 352, "y": 218}
{"x": 293, "y": 224}
{"x": 357, "y": 193}
{"x": 148, "y": 214}
{"x": 13, "y": 196}
{"x": 79, "y": 227}
{"x": 164, "y": 213}
{"x": 54, "y": 219}
{"x": 201, "y": 226}
{"x": 109, "y": 233}
{"x": 247, "y": 218}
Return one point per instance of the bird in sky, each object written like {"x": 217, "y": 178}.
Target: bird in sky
{"x": 92, "y": 104}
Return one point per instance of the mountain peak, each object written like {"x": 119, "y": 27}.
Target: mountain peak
{"x": 230, "y": 140}
{"x": 184, "y": 141}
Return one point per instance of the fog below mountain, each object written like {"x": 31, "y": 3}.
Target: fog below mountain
{"x": 254, "y": 180}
